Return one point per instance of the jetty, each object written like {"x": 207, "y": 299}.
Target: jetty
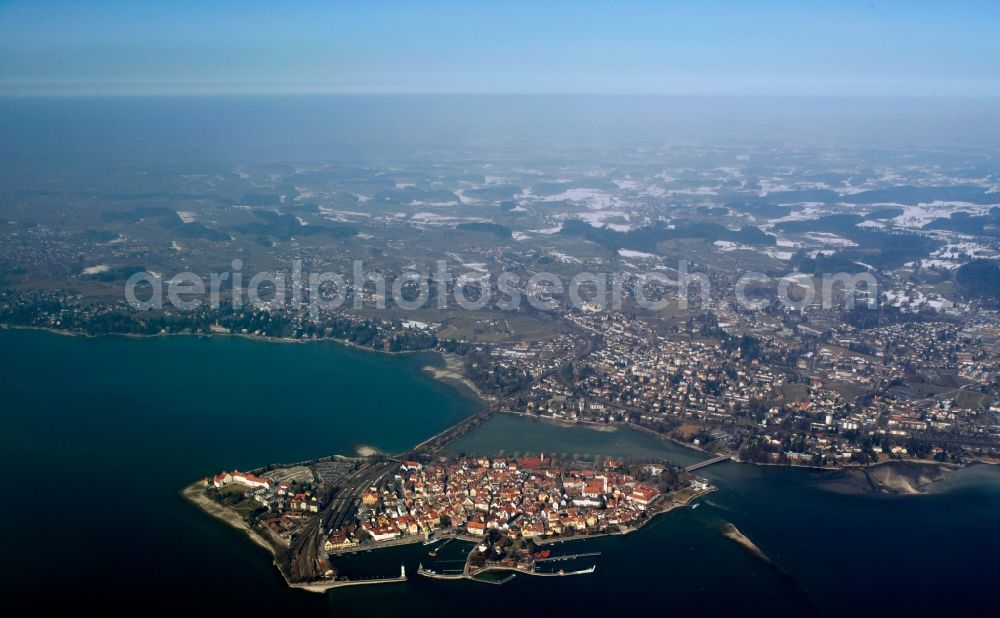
{"x": 323, "y": 586}
{"x": 568, "y": 557}
{"x": 458, "y": 574}
{"x": 498, "y": 582}
{"x": 561, "y": 573}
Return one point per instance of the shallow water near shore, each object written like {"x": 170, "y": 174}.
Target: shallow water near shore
{"x": 99, "y": 435}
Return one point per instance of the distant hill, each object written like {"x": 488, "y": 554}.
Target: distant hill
{"x": 646, "y": 238}
{"x": 500, "y": 231}
{"x": 979, "y": 279}
{"x": 843, "y": 225}
{"x": 283, "y": 227}
{"x": 495, "y": 193}
{"x": 965, "y": 223}
{"x": 167, "y": 219}
{"x": 884, "y": 213}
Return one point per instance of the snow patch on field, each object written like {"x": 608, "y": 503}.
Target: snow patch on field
{"x": 830, "y": 239}
{"x": 426, "y": 204}
{"x": 937, "y": 263}
{"x": 699, "y": 191}
{"x": 726, "y": 246}
{"x": 920, "y": 215}
{"x": 567, "y": 259}
{"x": 878, "y": 225}
{"x": 629, "y": 253}
{"x": 771, "y": 252}
{"x": 628, "y": 184}
{"x": 803, "y": 211}
{"x": 592, "y": 198}
{"x": 597, "y": 219}
{"x": 431, "y": 218}
{"x": 785, "y": 242}
{"x": 953, "y": 255}
{"x": 915, "y": 299}
{"x": 801, "y": 279}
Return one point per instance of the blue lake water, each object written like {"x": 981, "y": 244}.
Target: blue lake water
{"x": 99, "y": 435}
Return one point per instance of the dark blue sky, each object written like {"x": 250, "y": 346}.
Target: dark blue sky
{"x": 874, "y": 48}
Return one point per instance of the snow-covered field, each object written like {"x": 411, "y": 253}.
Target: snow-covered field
{"x": 827, "y": 238}
{"x": 629, "y": 253}
{"x": 922, "y": 214}
{"x": 591, "y": 198}
{"x": 599, "y": 218}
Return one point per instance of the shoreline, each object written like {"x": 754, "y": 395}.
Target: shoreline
{"x": 457, "y": 381}
{"x": 451, "y": 375}
{"x": 614, "y": 425}
{"x": 557, "y": 540}
{"x": 194, "y": 494}
{"x": 626, "y": 531}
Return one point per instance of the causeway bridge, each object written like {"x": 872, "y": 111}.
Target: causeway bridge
{"x": 707, "y": 462}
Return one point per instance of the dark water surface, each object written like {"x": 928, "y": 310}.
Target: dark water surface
{"x": 98, "y": 435}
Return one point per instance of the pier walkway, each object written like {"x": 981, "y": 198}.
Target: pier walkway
{"x": 568, "y": 557}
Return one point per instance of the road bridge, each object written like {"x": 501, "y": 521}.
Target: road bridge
{"x": 707, "y": 462}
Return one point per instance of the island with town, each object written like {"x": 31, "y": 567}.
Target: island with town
{"x": 507, "y": 513}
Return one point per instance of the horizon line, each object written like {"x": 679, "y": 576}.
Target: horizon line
{"x": 461, "y": 93}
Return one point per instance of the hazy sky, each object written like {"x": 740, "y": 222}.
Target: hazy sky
{"x": 906, "y": 48}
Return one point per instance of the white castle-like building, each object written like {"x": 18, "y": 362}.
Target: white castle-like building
{"x": 241, "y": 478}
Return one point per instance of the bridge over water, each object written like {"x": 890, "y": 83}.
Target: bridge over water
{"x": 707, "y": 462}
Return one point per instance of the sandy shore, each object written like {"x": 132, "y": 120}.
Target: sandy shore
{"x": 195, "y": 494}
{"x": 732, "y": 532}
{"x": 453, "y": 373}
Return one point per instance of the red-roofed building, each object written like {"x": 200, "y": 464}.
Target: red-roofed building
{"x": 642, "y": 495}
{"x": 477, "y": 528}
